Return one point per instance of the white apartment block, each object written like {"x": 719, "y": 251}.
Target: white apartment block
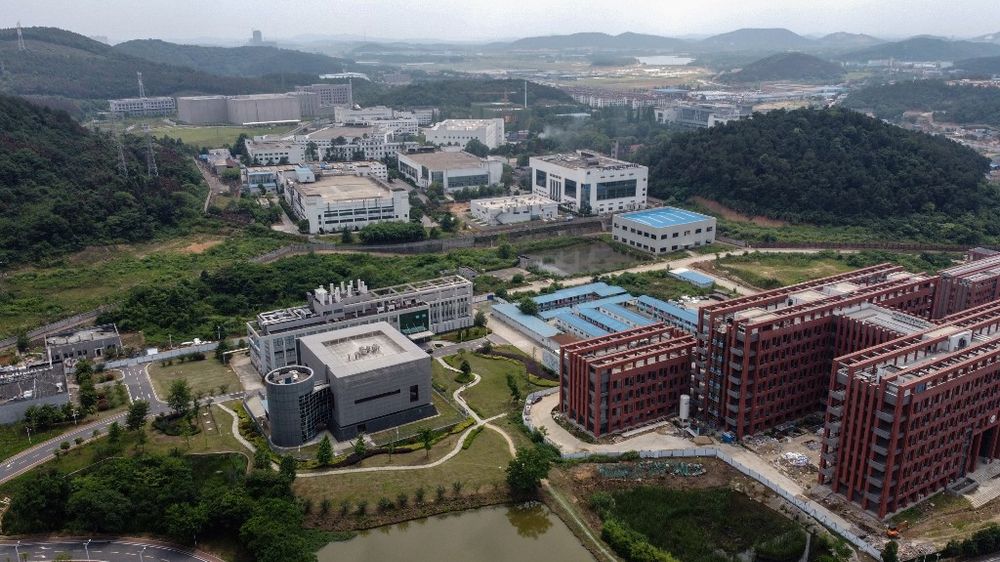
{"x": 511, "y": 210}
{"x": 590, "y": 182}
{"x": 330, "y": 94}
{"x": 335, "y": 202}
{"x": 143, "y": 106}
{"x": 272, "y": 152}
{"x": 663, "y": 229}
{"x": 344, "y": 143}
{"x": 453, "y": 170}
{"x": 458, "y": 132}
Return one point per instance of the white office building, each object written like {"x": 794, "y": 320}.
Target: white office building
{"x": 128, "y": 107}
{"x": 701, "y": 115}
{"x": 346, "y": 143}
{"x": 511, "y": 210}
{"x": 663, "y": 229}
{"x": 589, "y": 182}
{"x": 330, "y": 94}
{"x": 379, "y": 117}
{"x": 453, "y": 170}
{"x": 458, "y": 132}
{"x": 273, "y": 152}
{"x": 334, "y": 202}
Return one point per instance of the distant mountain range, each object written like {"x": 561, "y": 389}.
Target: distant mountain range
{"x": 593, "y": 41}
{"x": 787, "y": 66}
{"x": 63, "y": 63}
{"x": 925, "y": 49}
{"x": 232, "y": 61}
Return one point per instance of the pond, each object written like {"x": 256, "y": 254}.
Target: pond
{"x": 664, "y": 60}
{"x": 495, "y": 534}
{"x": 582, "y": 258}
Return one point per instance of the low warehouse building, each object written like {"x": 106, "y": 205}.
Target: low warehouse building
{"x": 511, "y": 210}
{"x": 453, "y": 170}
{"x": 663, "y": 230}
{"x": 333, "y": 203}
{"x": 354, "y": 380}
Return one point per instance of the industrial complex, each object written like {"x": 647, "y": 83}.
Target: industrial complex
{"x": 452, "y": 170}
{"x": 663, "y": 229}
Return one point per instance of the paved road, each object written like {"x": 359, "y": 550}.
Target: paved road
{"x": 100, "y": 549}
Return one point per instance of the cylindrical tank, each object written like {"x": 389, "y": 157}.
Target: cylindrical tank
{"x": 685, "y": 410}
{"x": 285, "y": 386}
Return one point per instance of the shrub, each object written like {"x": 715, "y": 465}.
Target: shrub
{"x": 456, "y": 488}
{"x": 439, "y": 493}
{"x": 418, "y": 496}
{"x": 384, "y": 504}
{"x": 362, "y": 507}
{"x": 631, "y": 545}
{"x": 402, "y": 499}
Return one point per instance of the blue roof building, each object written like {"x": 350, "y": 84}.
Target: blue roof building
{"x": 572, "y": 296}
{"x": 668, "y": 312}
{"x": 693, "y": 277}
{"x": 663, "y": 229}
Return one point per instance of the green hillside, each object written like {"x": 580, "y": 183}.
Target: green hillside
{"x": 62, "y": 63}
{"x": 833, "y": 167}
{"x": 924, "y": 49}
{"x": 787, "y": 66}
{"x": 953, "y": 104}
{"x": 458, "y": 93}
{"x": 60, "y": 190}
{"x": 232, "y": 61}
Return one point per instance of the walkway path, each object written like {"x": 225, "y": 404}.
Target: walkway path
{"x": 457, "y": 395}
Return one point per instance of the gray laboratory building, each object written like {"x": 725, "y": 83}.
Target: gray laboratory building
{"x": 360, "y": 379}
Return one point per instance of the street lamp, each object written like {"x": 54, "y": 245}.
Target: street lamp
{"x": 140, "y": 553}
{"x": 86, "y": 548}
{"x": 17, "y": 551}
{"x": 28, "y": 429}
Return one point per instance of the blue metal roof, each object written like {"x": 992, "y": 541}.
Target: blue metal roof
{"x": 582, "y": 325}
{"x": 532, "y": 323}
{"x": 671, "y": 309}
{"x": 600, "y": 289}
{"x": 662, "y": 217}
{"x": 602, "y": 319}
{"x": 550, "y": 314}
{"x": 631, "y": 317}
{"x": 693, "y": 277}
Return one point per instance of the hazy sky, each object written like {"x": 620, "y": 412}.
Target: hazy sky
{"x": 475, "y": 20}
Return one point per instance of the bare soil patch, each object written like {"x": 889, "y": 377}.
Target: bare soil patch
{"x": 734, "y": 215}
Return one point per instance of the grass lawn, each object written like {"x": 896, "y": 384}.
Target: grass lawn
{"x": 482, "y": 464}
{"x": 657, "y": 284}
{"x": 492, "y": 396}
{"x": 472, "y": 333}
{"x": 14, "y": 439}
{"x": 204, "y": 376}
{"x": 82, "y": 281}
{"x": 769, "y": 271}
{"x": 215, "y": 136}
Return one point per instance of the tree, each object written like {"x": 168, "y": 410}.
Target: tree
{"x": 137, "y": 412}
{"x": 480, "y": 319}
{"x": 311, "y": 151}
{"x": 466, "y": 369}
{"x": 346, "y": 236}
{"x": 515, "y": 391}
{"x": 184, "y": 521}
{"x": 891, "y": 552}
{"x": 427, "y": 438}
{"x": 486, "y": 348}
{"x": 88, "y": 394}
{"x": 505, "y": 251}
{"x": 23, "y": 343}
{"x": 528, "y": 306}
{"x": 360, "y": 447}
{"x": 475, "y": 146}
{"x": 179, "y": 397}
{"x": 287, "y": 467}
{"x": 220, "y": 351}
{"x": 325, "y": 452}
{"x": 526, "y": 470}
{"x": 261, "y": 459}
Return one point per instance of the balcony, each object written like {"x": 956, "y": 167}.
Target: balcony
{"x": 731, "y": 422}
{"x": 836, "y": 411}
{"x": 734, "y": 408}
{"x": 736, "y": 366}
{"x": 837, "y": 395}
{"x": 874, "y": 498}
{"x": 828, "y": 471}
{"x": 881, "y": 433}
{"x": 834, "y": 428}
{"x": 832, "y": 441}
{"x": 734, "y": 380}
{"x": 737, "y": 351}
{"x": 877, "y": 465}
{"x": 830, "y": 458}
{"x": 885, "y": 416}
{"x": 880, "y": 449}
{"x": 877, "y": 482}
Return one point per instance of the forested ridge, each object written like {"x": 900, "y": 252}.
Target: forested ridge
{"x": 461, "y": 93}
{"x": 232, "y": 61}
{"x": 787, "y": 66}
{"x": 833, "y": 167}
{"x": 63, "y": 63}
{"x": 60, "y": 189}
{"x": 953, "y": 104}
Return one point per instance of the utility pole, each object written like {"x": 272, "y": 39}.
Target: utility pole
{"x": 151, "y": 170}
{"x": 122, "y": 164}
{"x": 526, "y": 95}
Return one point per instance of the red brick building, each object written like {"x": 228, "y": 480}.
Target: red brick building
{"x": 968, "y": 285}
{"x": 764, "y": 360}
{"x": 910, "y": 416}
{"x": 619, "y": 381}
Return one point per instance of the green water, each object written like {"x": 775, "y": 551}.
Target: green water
{"x": 582, "y": 258}
{"x": 489, "y": 534}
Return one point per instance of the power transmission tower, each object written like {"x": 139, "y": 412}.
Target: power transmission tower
{"x": 122, "y": 165}
{"x": 151, "y": 170}
{"x": 20, "y": 39}
{"x": 142, "y": 90}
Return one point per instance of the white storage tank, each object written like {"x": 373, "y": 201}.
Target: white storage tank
{"x": 685, "y": 409}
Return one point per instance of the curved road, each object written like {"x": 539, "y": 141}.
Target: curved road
{"x": 106, "y": 550}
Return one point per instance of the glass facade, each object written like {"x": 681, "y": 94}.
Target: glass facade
{"x": 468, "y": 181}
{"x": 541, "y": 178}
{"x": 569, "y": 188}
{"x": 616, "y": 189}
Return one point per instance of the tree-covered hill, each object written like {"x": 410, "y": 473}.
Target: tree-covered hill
{"x": 981, "y": 66}
{"x": 833, "y": 167}
{"x": 787, "y": 66}
{"x": 60, "y": 190}
{"x": 63, "y": 63}
{"x": 232, "y": 61}
{"x": 953, "y": 104}
{"x": 924, "y": 49}
{"x": 460, "y": 93}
